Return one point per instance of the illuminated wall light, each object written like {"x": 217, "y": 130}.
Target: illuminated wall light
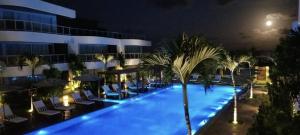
{"x": 218, "y": 108}
{"x": 116, "y": 107}
{"x": 66, "y": 100}
{"x": 212, "y": 114}
{"x": 85, "y": 117}
{"x": 42, "y": 132}
{"x": 223, "y": 102}
{"x": 177, "y": 86}
{"x": 193, "y": 131}
{"x": 229, "y": 98}
{"x": 203, "y": 122}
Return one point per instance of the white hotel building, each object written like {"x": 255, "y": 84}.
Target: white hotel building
{"x": 30, "y": 26}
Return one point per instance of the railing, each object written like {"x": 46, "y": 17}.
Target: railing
{"x": 92, "y": 57}
{"x": 134, "y": 55}
{"x": 31, "y": 26}
{"x": 11, "y": 60}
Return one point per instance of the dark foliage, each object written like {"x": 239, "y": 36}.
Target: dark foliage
{"x": 277, "y": 117}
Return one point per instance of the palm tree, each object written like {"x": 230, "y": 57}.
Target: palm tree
{"x": 32, "y": 61}
{"x": 121, "y": 59}
{"x": 76, "y": 66}
{"x": 231, "y": 64}
{"x": 251, "y": 62}
{"x": 183, "y": 65}
{"x": 105, "y": 58}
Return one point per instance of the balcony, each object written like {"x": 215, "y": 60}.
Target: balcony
{"x": 31, "y": 26}
{"x": 92, "y": 58}
{"x": 11, "y": 60}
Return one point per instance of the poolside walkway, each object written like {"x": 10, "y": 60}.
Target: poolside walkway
{"x": 246, "y": 111}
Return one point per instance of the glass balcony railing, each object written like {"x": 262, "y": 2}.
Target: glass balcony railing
{"x": 12, "y": 60}
{"x": 92, "y": 58}
{"x": 134, "y": 55}
{"x": 30, "y": 26}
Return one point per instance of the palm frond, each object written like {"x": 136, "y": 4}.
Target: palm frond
{"x": 229, "y": 63}
{"x": 104, "y": 58}
{"x": 32, "y": 61}
{"x": 183, "y": 66}
{"x": 244, "y": 59}
{"x": 161, "y": 59}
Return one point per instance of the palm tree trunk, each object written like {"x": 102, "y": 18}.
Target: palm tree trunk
{"x": 32, "y": 75}
{"x": 235, "y": 100}
{"x": 251, "y": 83}
{"x": 251, "y": 90}
{"x": 221, "y": 73}
{"x": 186, "y": 108}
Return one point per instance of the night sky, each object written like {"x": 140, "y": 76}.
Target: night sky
{"x": 237, "y": 24}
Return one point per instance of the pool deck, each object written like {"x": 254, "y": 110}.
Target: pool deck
{"x": 36, "y": 121}
{"x": 222, "y": 125}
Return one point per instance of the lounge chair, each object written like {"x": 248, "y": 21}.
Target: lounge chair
{"x": 109, "y": 93}
{"x": 133, "y": 87}
{"x": 78, "y": 99}
{"x": 90, "y": 96}
{"x": 217, "y": 79}
{"x": 10, "y": 116}
{"x": 42, "y": 109}
{"x": 116, "y": 87}
{"x": 59, "y": 106}
{"x": 193, "y": 80}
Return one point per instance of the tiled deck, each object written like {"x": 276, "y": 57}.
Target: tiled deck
{"x": 246, "y": 111}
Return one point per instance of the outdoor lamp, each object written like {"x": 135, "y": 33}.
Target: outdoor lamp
{"x": 66, "y": 100}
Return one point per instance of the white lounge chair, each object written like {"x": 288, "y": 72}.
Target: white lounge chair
{"x": 59, "y": 106}
{"x": 90, "y": 96}
{"x": 78, "y": 99}
{"x": 10, "y": 116}
{"x": 109, "y": 93}
{"x": 117, "y": 88}
{"x": 42, "y": 109}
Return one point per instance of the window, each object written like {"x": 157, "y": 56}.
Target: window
{"x": 8, "y": 15}
{"x": 20, "y": 49}
{"x": 92, "y": 49}
{"x": 27, "y": 16}
{"x": 133, "y": 49}
{"x": 1, "y": 49}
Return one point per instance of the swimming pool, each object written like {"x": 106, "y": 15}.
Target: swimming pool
{"x": 157, "y": 113}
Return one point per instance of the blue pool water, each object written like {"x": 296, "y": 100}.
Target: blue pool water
{"x": 157, "y": 113}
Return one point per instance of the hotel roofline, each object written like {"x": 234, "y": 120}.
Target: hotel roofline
{"x": 41, "y": 6}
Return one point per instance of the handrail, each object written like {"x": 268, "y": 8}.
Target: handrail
{"x": 33, "y": 26}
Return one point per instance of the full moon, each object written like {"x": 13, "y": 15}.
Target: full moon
{"x": 269, "y": 23}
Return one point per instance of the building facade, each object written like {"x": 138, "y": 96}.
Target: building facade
{"x": 30, "y": 27}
